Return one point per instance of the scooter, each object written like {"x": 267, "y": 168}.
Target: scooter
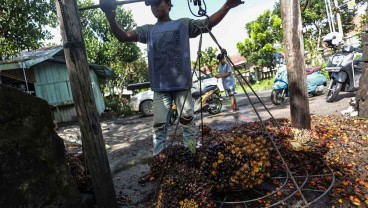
{"x": 316, "y": 83}
{"x": 207, "y": 100}
{"x": 344, "y": 68}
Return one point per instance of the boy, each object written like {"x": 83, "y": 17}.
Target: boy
{"x": 169, "y": 63}
{"x": 224, "y": 72}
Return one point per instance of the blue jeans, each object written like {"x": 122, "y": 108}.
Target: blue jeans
{"x": 162, "y": 102}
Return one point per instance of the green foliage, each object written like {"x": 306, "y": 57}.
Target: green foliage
{"x": 325, "y": 73}
{"x": 360, "y": 30}
{"x": 118, "y": 105}
{"x": 22, "y": 25}
{"x": 103, "y": 48}
{"x": 263, "y": 33}
{"x": 266, "y": 31}
{"x": 208, "y": 58}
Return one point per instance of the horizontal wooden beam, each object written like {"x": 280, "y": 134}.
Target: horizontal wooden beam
{"x": 96, "y": 6}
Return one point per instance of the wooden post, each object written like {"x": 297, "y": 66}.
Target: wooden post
{"x": 294, "y": 54}
{"x": 362, "y": 94}
{"x": 80, "y": 82}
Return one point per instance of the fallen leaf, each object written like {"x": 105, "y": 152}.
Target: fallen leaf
{"x": 354, "y": 200}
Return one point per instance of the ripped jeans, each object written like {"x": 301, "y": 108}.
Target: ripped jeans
{"x": 162, "y": 102}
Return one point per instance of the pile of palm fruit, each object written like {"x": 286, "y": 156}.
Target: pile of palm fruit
{"x": 228, "y": 160}
{"x": 236, "y": 159}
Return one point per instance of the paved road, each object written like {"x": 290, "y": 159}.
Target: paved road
{"x": 265, "y": 109}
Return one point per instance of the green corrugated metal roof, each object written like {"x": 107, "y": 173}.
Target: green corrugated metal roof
{"x": 29, "y": 58}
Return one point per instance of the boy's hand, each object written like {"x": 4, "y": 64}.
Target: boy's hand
{"x": 233, "y": 3}
{"x": 107, "y": 5}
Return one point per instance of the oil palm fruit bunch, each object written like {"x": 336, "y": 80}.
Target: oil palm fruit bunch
{"x": 217, "y": 164}
{"x": 172, "y": 157}
{"x": 184, "y": 190}
{"x": 253, "y": 156}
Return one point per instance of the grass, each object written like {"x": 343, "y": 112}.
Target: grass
{"x": 265, "y": 84}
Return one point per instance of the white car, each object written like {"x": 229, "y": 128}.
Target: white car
{"x": 143, "y": 101}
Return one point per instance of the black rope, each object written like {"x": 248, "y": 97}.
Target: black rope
{"x": 201, "y": 11}
{"x": 199, "y": 55}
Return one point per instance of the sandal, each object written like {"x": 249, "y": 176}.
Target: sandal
{"x": 147, "y": 177}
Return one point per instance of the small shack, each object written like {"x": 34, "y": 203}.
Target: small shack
{"x": 43, "y": 73}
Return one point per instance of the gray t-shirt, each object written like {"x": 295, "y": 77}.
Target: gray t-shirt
{"x": 169, "y": 52}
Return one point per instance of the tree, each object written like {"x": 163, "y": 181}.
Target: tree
{"x": 315, "y": 26}
{"x": 208, "y": 57}
{"x": 263, "y": 33}
{"x": 126, "y": 59}
{"x": 293, "y": 40}
{"x": 362, "y": 94}
{"x": 102, "y": 46}
{"x": 22, "y": 25}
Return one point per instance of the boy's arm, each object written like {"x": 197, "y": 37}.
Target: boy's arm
{"x": 221, "y": 13}
{"x": 119, "y": 33}
{"x": 224, "y": 75}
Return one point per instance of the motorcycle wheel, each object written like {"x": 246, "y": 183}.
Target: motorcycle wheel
{"x": 216, "y": 106}
{"x": 333, "y": 90}
{"x": 277, "y": 97}
{"x": 172, "y": 116}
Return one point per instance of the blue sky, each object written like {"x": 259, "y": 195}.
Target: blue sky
{"x": 228, "y": 32}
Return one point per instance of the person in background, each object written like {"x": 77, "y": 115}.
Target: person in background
{"x": 205, "y": 71}
{"x": 332, "y": 40}
{"x": 225, "y": 73}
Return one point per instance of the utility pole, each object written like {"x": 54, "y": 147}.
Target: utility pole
{"x": 338, "y": 17}
{"x": 329, "y": 16}
{"x": 294, "y": 54}
{"x": 80, "y": 82}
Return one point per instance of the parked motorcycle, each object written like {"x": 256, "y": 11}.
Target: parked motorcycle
{"x": 207, "y": 100}
{"x": 344, "y": 68}
{"x": 316, "y": 83}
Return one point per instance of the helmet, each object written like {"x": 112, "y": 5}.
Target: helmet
{"x": 278, "y": 58}
{"x": 332, "y": 40}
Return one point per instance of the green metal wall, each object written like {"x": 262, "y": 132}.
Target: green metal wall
{"x": 53, "y": 85}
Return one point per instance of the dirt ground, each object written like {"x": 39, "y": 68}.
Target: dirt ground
{"x": 129, "y": 139}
